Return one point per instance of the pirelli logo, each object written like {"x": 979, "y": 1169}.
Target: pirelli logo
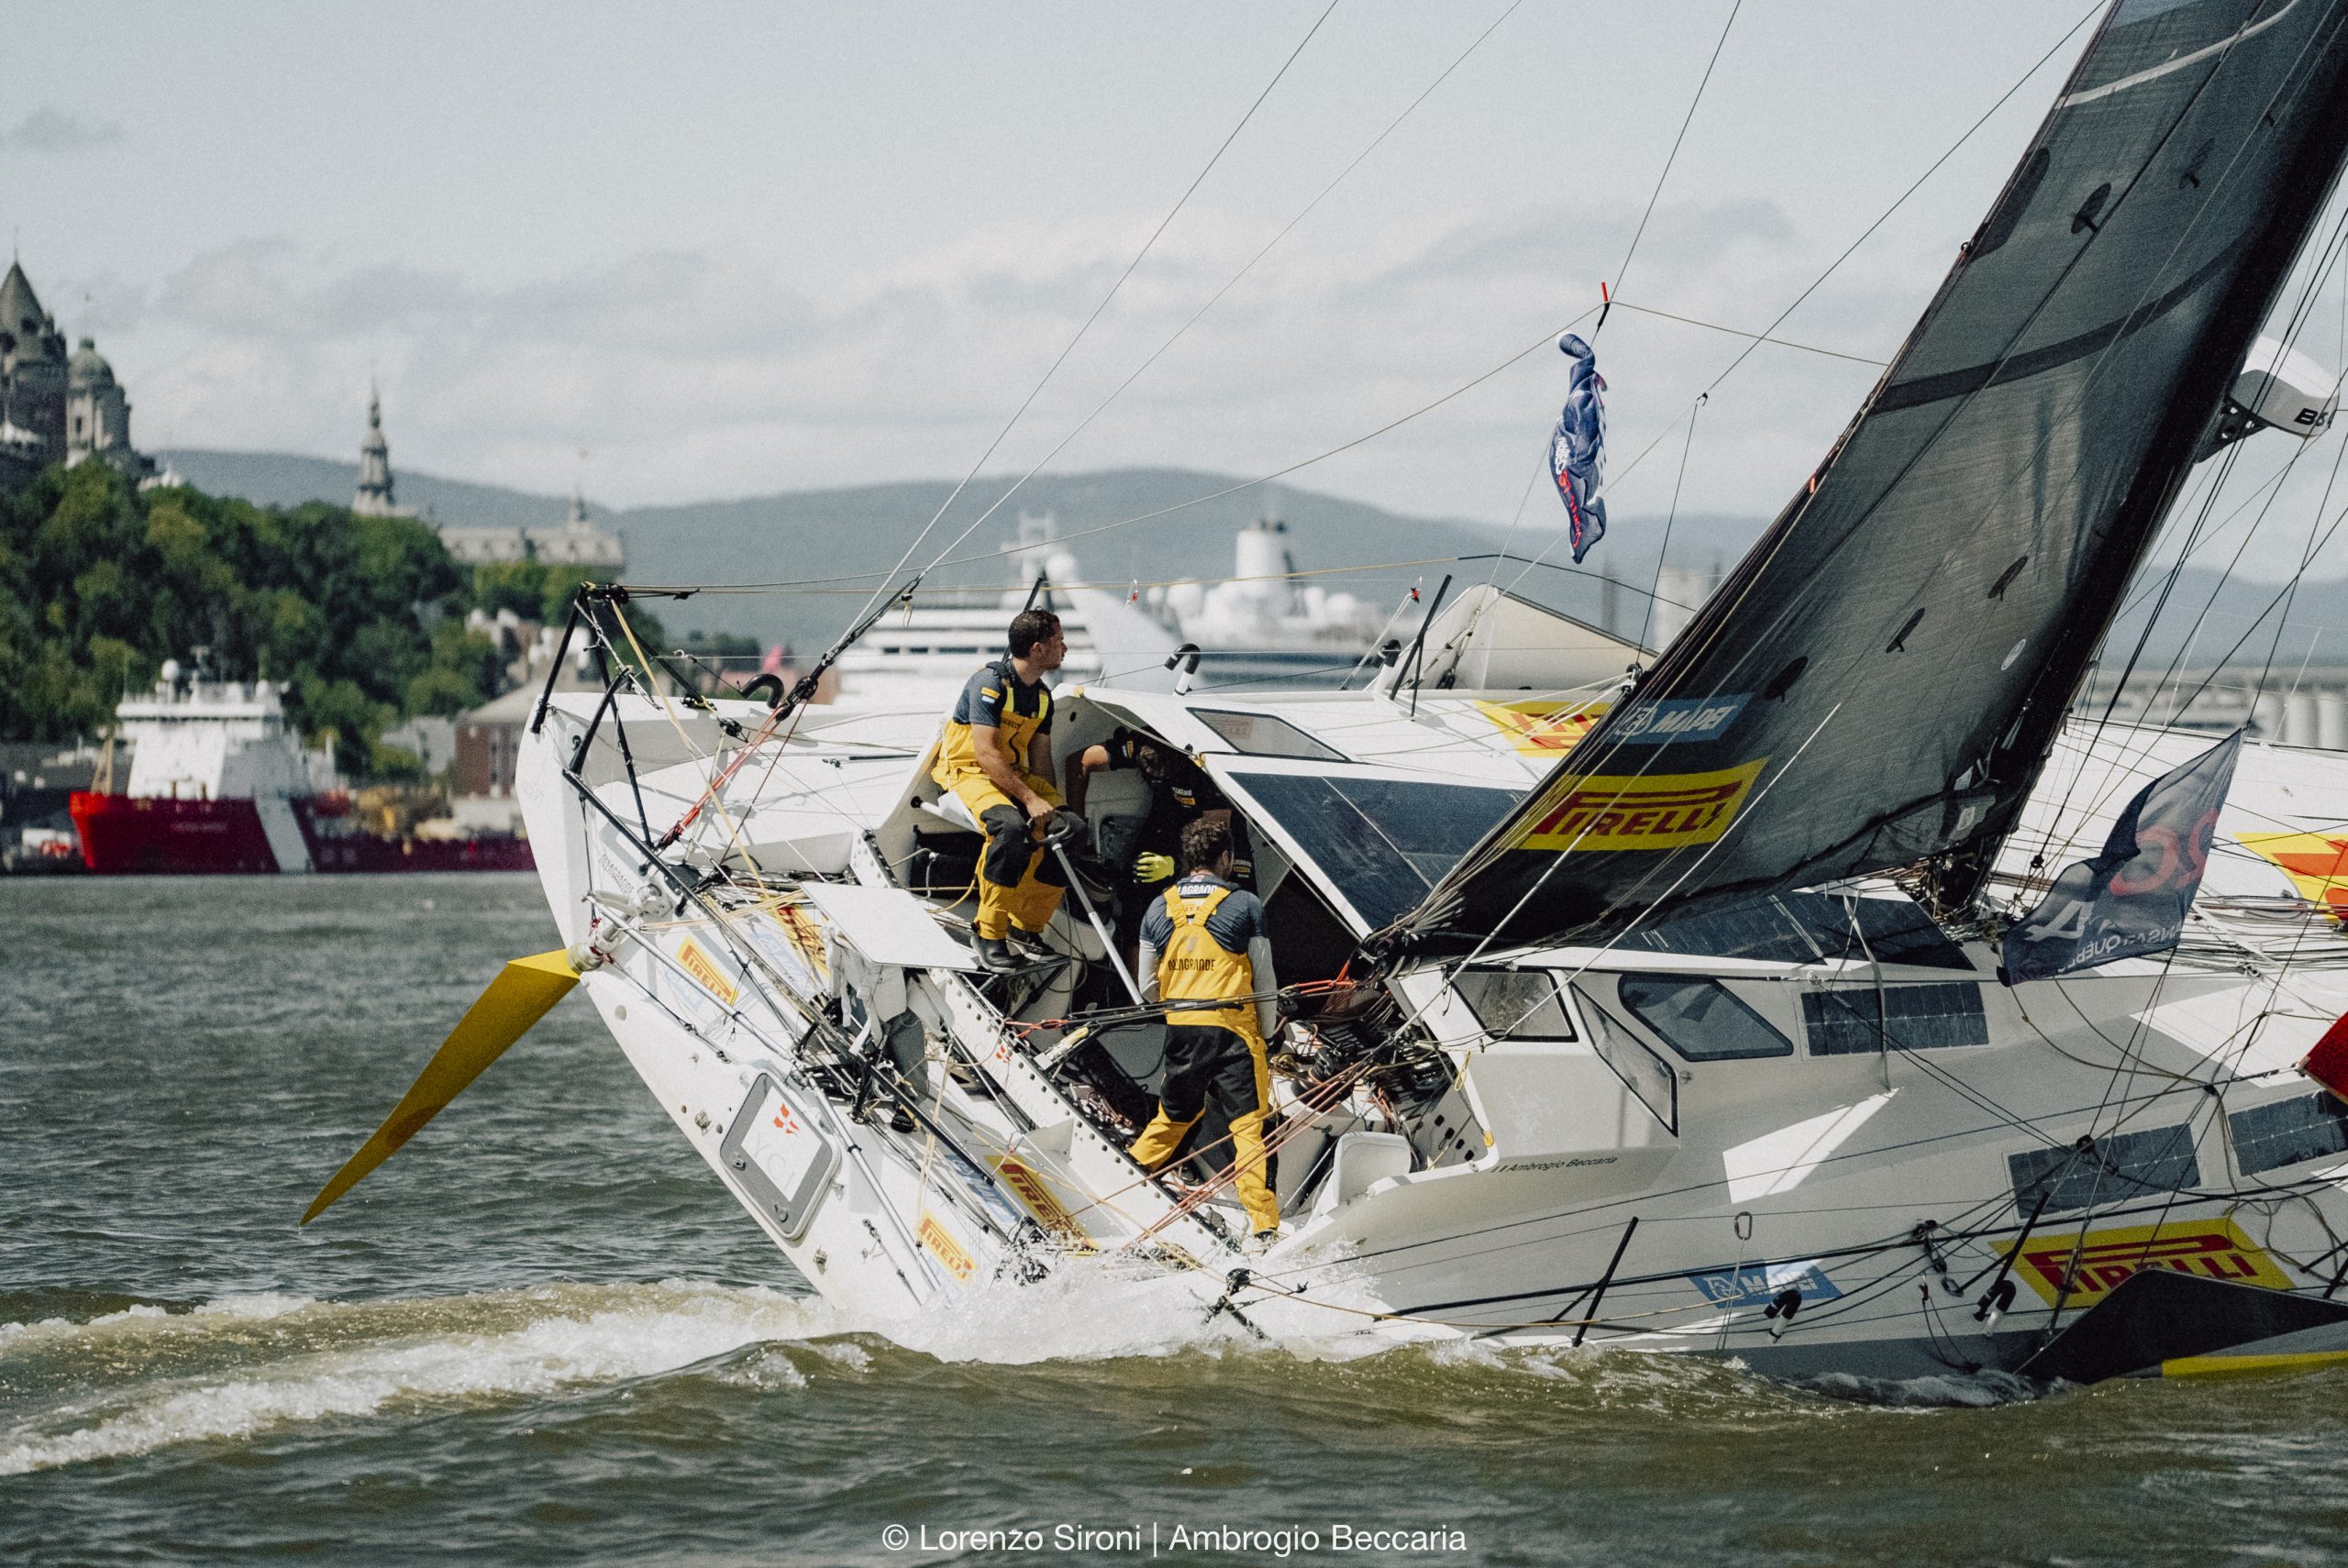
{"x": 940, "y": 1243}
{"x": 798, "y": 925}
{"x": 1652, "y": 810}
{"x": 2211, "y": 1251}
{"x": 704, "y": 969}
{"x": 1042, "y": 1201}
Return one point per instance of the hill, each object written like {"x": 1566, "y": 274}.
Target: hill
{"x": 804, "y": 535}
{"x": 281, "y": 479}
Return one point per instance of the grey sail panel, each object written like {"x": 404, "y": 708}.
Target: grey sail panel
{"x": 1879, "y": 679}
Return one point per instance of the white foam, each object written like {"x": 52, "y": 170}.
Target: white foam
{"x": 1098, "y": 1310}
{"x": 13, "y": 1335}
{"x": 259, "y": 1307}
{"x": 576, "y": 1336}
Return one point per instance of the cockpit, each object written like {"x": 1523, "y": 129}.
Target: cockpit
{"x": 1336, "y": 847}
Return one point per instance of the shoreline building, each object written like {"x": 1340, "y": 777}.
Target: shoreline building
{"x": 56, "y": 407}
{"x": 575, "y": 541}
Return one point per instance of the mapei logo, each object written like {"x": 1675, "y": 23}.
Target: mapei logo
{"x": 1653, "y": 810}
{"x": 1756, "y": 1285}
{"x": 2094, "y": 1268}
{"x": 1677, "y": 719}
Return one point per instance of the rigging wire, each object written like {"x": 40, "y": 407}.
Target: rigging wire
{"x": 1662, "y": 550}
{"x": 1675, "y": 505}
{"x": 1654, "y": 196}
{"x": 2123, "y": 765}
{"x": 873, "y": 605}
{"x": 1245, "y": 268}
{"x": 1052, "y": 369}
{"x": 1795, "y": 603}
{"x": 1686, "y": 120}
{"x": 2329, "y": 258}
{"x": 1544, "y": 341}
{"x": 2307, "y": 555}
{"x": 1767, "y": 332}
{"x": 1758, "y": 338}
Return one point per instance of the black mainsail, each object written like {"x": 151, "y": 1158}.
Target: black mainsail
{"x": 1880, "y": 680}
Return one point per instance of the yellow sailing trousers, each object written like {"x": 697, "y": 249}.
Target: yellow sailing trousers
{"x": 1018, "y": 883}
{"x": 1209, "y": 1061}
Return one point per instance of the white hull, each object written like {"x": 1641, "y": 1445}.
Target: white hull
{"x": 1875, "y": 1192}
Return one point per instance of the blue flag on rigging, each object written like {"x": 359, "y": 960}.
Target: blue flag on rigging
{"x": 1578, "y": 448}
{"x": 2130, "y": 900}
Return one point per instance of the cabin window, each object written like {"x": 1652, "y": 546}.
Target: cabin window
{"x": 1851, "y": 1020}
{"x": 1700, "y": 1019}
{"x": 2124, "y": 1166}
{"x": 2287, "y": 1132}
{"x": 1642, "y": 1072}
{"x": 1382, "y": 843}
{"x": 1260, "y": 735}
{"x": 1515, "y": 1004}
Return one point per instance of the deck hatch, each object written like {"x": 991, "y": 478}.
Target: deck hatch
{"x": 1261, "y": 735}
{"x": 779, "y": 1156}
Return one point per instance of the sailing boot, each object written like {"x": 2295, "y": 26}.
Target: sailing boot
{"x": 1031, "y": 946}
{"x": 995, "y": 956}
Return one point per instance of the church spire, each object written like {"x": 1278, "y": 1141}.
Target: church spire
{"x": 374, "y": 496}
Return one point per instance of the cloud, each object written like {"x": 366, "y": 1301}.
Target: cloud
{"x": 52, "y": 133}
{"x": 706, "y": 371}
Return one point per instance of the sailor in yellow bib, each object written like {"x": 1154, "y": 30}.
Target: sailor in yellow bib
{"x": 996, "y": 757}
{"x": 1205, "y": 943}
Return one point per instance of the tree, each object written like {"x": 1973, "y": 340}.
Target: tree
{"x": 99, "y": 584}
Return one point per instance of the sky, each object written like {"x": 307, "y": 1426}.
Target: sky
{"x": 729, "y": 249}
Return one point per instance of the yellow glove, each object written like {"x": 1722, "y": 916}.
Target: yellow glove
{"x": 1151, "y": 868}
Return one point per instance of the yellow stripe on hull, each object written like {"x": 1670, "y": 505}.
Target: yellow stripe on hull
{"x": 2222, "y": 1365}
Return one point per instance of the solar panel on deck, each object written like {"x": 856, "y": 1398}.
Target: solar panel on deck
{"x": 1803, "y": 928}
{"x": 2124, "y": 1166}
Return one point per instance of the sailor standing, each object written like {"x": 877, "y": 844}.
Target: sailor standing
{"x": 996, "y": 757}
{"x": 1205, "y": 942}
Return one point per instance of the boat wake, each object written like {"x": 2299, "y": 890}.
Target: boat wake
{"x": 131, "y": 1382}
{"x": 143, "y": 1379}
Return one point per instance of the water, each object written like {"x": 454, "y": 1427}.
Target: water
{"x": 543, "y": 1334}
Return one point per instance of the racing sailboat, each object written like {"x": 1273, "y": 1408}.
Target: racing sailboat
{"x": 1657, "y": 1011}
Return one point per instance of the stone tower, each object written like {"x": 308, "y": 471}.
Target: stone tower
{"x": 97, "y": 414}
{"x": 374, "y": 497}
{"x": 32, "y": 367}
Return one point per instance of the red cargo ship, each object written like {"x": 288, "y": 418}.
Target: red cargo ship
{"x": 129, "y": 833}
{"x": 218, "y": 784}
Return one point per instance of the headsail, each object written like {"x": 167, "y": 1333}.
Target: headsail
{"x": 1879, "y": 679}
